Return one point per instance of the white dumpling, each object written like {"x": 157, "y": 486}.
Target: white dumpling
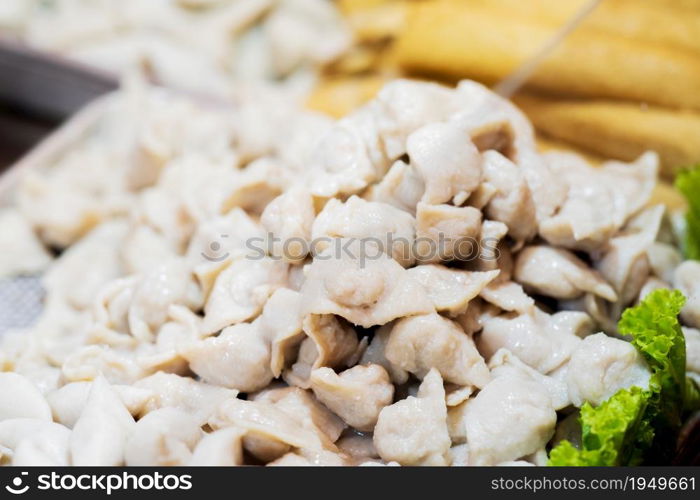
{"x": 511, "y": 417}
{"x": 357, "y": 395}
{"x": 33, "y": 442}
{"x": 418, "y": 344}
{"x": 362, "y": 285}
{"x": 238, "y": 358}
{"x": 542, "y": 341}
{"x": 20, "y": 398}
{"x": 22, "y": 252}
{"x": 288, "y": 220}
{"x": 95, "y": 258}
{"x": 392, "y": 228}
{"x": 170, "y": 283}
{"x": 241, "y": 290}
{"x": 99, "y": 435}
{"x": 602, "y": 365}
{"x": 168, "y": 390}
{"x": 161, "y": 438}
{"x": 413, "y": 431}
{"x": 223, "y": 448}
{"x": 448, "y": 162}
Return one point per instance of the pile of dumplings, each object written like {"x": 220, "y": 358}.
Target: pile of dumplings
{"x": 217, "y": 294}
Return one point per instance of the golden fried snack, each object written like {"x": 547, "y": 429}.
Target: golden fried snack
{"x": 464, "y": 40}
{"x": 665, "y": 193}
{"x": 640, "y": 20}
{"x": 350, "y": 6}
{"x": 378, "y": 23}
{"x": 339, "y": 96}
{"x": 371, "y": 58}
{"x": 359, "y": 59}
{"x": 546, "y": 144}
{"x": 681, "y": 4}
{"x": 619, "y": 129}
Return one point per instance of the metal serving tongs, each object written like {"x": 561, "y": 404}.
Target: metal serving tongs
{"x": 47, "y": 86}
{"x": 38, "y": 91}
{"x": 50, "y": 88}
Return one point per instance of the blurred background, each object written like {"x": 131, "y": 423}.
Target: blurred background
{"x": 625, "y": 80}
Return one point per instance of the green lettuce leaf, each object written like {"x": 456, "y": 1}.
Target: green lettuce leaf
{"x": 611, "y": 433}
{"x": 688, "y": 183}
{"x": 641, "y": 426}
{"x": 657, "y": 335}
{"x": 566, "y": 454}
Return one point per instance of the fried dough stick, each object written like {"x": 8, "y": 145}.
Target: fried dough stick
{"x": 462, "y": 40}
{"x": 645, "y": 21}
{"x": 619, "y": 130}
